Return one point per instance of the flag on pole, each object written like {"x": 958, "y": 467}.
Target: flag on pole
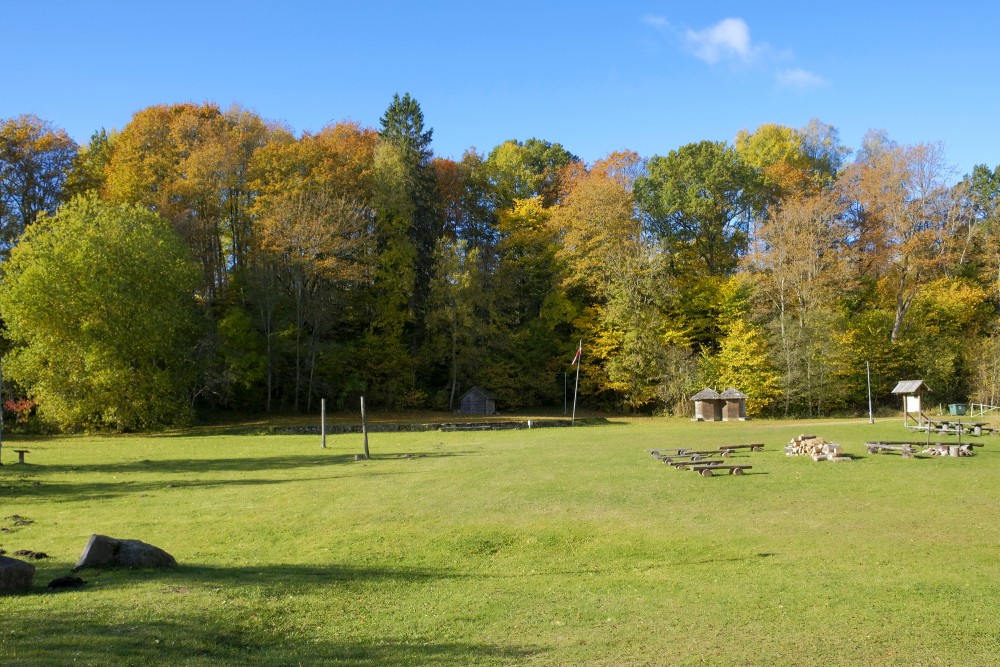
{"x": 579, "y": 351}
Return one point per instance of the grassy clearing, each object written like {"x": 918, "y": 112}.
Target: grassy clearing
{"x": 541, "y": 547}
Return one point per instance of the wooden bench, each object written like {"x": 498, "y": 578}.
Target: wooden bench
{"x": 708, "y": 471}
{"x": 681, "y": 465}
{"x": 21, "y": 453}
{"x": 690, "y": 457}
{"x": 676, "y": 451}
{"x": 755, "y": 447}
{"x": 905, "y": 449}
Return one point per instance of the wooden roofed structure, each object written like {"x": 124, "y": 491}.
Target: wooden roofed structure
{"x": 708, "y": 405}
{"x": 912, "y": 391}
{"x": 734, "y": 406}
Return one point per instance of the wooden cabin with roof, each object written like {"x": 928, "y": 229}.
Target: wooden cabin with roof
{"x": 477, "y": 401}
{"x": 708, "y": 406}
{"x": 734, "y": 405}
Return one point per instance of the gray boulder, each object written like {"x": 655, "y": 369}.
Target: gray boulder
{"x": 133, "y": 553}
{"x": 15, "y": 575}
{"x": 99, "y": 552}
{"x": 104, "y": 551}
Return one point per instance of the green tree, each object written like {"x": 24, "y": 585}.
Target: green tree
{"x": 743, "y": 362}
{"x": 522, "y": 170}
{"x": 89, "y": 169}
{"x": 983, "y": 191}
{"x": 34, "y": 160}
{"x": 529, "y": 314}
{"x": 452, "y": 320}
{"x": 699, "y": 201}
{"x": 98, "y": 302}
{"x": 614, "y": 276}
{"x": 414, "y": 205}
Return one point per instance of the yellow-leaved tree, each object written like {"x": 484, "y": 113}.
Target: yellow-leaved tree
{"x": 744, "y": 363}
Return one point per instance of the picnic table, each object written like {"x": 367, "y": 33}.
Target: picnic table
{"x": 956, "y": 426}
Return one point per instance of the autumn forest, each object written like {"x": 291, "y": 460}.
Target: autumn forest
{"x": 203, "y": 259}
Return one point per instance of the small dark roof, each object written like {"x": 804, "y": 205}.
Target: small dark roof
{"x": 706, "y": 395}
{"x": 479, "y": 390}
{"x": 732, "y": 393}
{"x": 911, "y": 387}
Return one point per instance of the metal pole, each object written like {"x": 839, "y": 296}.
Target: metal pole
{"x": 322, "y": 422}
{"x": 364, "y": 426}
{"x": 579, "y": 362}
{"x": 868, "y": 370}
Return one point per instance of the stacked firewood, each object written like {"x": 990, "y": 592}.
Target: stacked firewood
{"x": 816, "y": 447}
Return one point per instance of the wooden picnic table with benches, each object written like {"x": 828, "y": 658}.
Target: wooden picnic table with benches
{"x": 956, "y": 426}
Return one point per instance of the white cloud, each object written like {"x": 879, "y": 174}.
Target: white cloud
{"x": 729, "y": 42}
{"x": 727, "y": 39}
{"x": 800, "y": 78}
{"x": 658, "y": 22}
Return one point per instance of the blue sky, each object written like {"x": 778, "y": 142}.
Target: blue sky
{"x": 593, "y": 76}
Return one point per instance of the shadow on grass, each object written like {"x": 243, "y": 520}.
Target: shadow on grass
{"x": 75, "y": 638}
{"x": 69, "y": 492}
{"x": 250, "y": 624}
{"x": 56, "y": 481}
{"x": 235, "y": 464}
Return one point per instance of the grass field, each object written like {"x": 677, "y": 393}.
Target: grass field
{"x": 559, "y": 546}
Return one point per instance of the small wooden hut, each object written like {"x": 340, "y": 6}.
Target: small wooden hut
{"x": 912, "y": 391}
{"x": 708, "y": 406}
{"x": 734, "y": 406}
{"x": 477, "y": 401}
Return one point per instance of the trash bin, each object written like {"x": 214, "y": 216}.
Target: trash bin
{"x": 956, "y": 409}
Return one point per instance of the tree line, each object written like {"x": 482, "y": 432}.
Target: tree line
{"x": 204, "y": 258}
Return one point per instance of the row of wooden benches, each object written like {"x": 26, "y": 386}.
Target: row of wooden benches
{"x": 702, "y": 461}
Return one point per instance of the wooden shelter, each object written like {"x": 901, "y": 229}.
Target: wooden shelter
{"x": 708, "y": 405}
{"x": 912, "y": 391}
{"x": 477, "y": 401}
{"x": 734, "y": 405}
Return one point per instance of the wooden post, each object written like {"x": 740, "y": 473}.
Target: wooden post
{"x": 322, "y": 423}
{"x": 364, "y": 426}
{"x": 868, "y": 373}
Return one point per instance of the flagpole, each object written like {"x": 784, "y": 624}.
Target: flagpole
{"x": 579, "y": 361}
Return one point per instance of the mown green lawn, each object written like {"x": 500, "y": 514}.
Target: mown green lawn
{"x": 560, "y": 546}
